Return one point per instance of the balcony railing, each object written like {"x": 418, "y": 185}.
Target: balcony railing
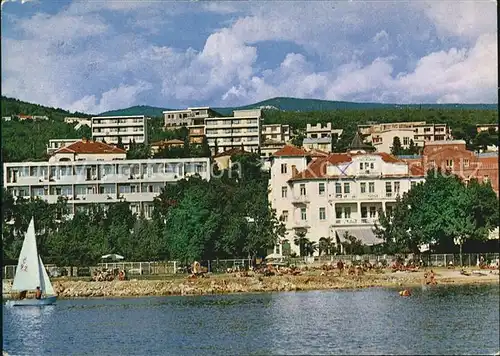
{"x": 301, "y": 224}
{"x": 356, "y": 221}
{"x": 300, "y": 199}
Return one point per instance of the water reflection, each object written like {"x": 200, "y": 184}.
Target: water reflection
{"x": 30, "y": 324}
{"x": 375, "y": 321}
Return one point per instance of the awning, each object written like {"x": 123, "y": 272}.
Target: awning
{"x": 365, "y": 234}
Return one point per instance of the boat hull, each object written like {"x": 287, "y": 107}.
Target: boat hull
{"x": 32, "y": 302}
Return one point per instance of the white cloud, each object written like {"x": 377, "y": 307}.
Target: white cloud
{"x": 350, "y": 51}
{"x": 115, "y": 98}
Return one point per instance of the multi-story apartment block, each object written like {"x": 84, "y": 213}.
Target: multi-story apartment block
{"x": 192, "y": 118}
{"x": 175, "y": 119}
{"x": 89, "y": 172}
{"x": 382, "y": 135}
{"x": 129, "y": 128}
{"x": 160, "y": 145}
{"x": 243, "y": 129}
{"x": 273, "y": 137}
{"x": 328, "y": 196}
{"x": 453, "y": 156}
{"x": 320, "y": 137}
{"x": 486, "y": 127}
{"x": 58, "y": 143}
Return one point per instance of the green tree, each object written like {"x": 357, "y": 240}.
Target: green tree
{"x": 396, "y": 148}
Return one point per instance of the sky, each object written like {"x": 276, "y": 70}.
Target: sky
{"x": 94, "y": 56}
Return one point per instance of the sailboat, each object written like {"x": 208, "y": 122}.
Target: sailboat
{"x": 31, "y": 273}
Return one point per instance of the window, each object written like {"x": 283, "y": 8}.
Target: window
{"x": 373, "y": 212}
{"x": 321, "y": 188}
{"x": 364, "y": 212}
{"x": 362, "y": 187}
{"x": 322, "y": 213}
{"x": 372, "y": 165}
{"x": 284, "y": 216}
{"x": 371, "y": 187}
{"x": 283, "y": 168}
{"x": 396, "y": 187}
{"x": 302, "y": 189}
{"x": 449, "y": 163}
{"x": 347, "y": 188}
{"x": 466, "y": 163}
{"x": 347, "y": 212}
{"x": 388, "y": 210}
{"x": 284, "y": 191}
{"x": 361, "y": 166}
{"x": 406, "y": 141}
{"x": 303, "y": 213}
{"x": 338, "y": 188}
{"x": 388, "y": 189}
{"x": 338, "y": 213}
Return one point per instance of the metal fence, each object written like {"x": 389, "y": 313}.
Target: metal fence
{"x": 221, "y": 266}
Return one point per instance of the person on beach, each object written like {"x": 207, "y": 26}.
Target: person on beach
{"x": 22, "y": 294}
{"x": 38, "y": 293}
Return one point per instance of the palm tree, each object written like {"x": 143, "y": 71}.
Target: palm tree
{"x": 310, "y": 247}
{"x": 326, "y": 245}
{"x": 301, "y": 241}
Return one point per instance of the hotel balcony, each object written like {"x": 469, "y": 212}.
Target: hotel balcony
{"x": 301, "y": 224}
{"x": 300, "y": 199}
{"x": 355, "y": 221}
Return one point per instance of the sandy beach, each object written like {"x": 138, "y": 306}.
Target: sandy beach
{"x": 235, "y": 283}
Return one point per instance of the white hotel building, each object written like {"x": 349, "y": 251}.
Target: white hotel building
{"x": 87, "y": 172}
{"x": 338, "y": 193}
{"x": 129, "y": 128}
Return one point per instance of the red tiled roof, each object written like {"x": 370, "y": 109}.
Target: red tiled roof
{"x": 290, "y": 150}
{"x": 317, "y": 168}
{"x": 231, "y": 152}
{"x": 318, "y": 153}
{"x": 167, "y": 142}
{"x": 85, "y": 146}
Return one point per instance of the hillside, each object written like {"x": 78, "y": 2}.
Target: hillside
{"x": 305, "y": 105}
{"x": 151, "y": 111}
{"x": 11, "y": 106}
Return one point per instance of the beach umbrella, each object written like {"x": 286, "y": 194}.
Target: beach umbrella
{"x": 113, "y": 256}
{"x": 273, "y": 256}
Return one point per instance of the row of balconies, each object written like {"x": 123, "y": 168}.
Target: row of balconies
{"x": 304, "y": 199}
{"x": 114, "y": 178}
{"x": 130, "y": 122}
{"x": 99, "y": 198}
{"x": 304, "y": 224}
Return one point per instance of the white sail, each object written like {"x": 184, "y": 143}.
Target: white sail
{"x": 28, "y": 272}
{"x": 46, "y": 285}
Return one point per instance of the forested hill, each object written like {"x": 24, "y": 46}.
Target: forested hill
{"x": 307, "y": 105}
{"x": 11, "y": 106}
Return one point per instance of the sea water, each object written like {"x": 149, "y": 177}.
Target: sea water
{"x": 438, "y": 320}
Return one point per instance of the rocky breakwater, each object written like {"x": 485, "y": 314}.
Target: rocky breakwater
{"x": 249, "y": 283}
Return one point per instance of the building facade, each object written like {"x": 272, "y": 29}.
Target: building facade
{"x": 128, "y": 128}
{"x": 87, "y": 172}
{"x": 329, "y": 196}
{"x": 320, "y": 137}
{"x": 381, "y": 136}
{"x": 243, "y": 129}
{"x": 273, "y": 138}
{"x": 453, "y": 156}
{"x": 58, "y": 143}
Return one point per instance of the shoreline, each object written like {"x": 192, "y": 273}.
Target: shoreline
{"x": 235, "y": 284}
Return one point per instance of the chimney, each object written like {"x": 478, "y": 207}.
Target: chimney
{"x": 295, "y": 172}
